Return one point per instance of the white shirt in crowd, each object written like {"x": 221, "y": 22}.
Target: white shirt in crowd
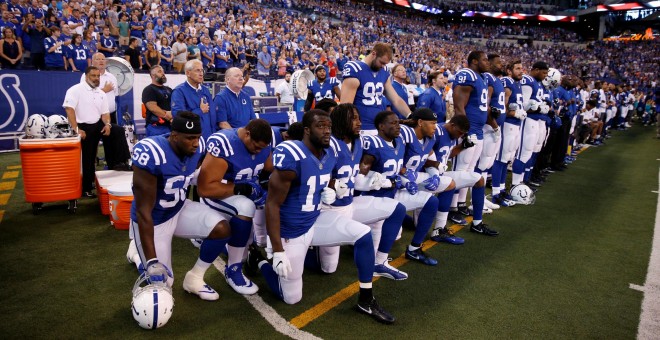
{"x": 88, "y": 103}
{"x": 286, "y": 94}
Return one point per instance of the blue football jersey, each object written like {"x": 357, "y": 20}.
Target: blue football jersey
{"x": 443, "y": 144}
{"x": 417, "y": 151}
{"x": 516, "y": 97}
{"x": 369, "y": 95}
{"x": 537, "y": 93}
{"x": 277, "y": 136}
{"x": 497, "y": 97}
{"x": 302, "y": 204}
{"x": 388, "y": 160}
{"x": 348, "y": 166}
{"x": 324, "y": 90}
{"x": 155, "y": 155}
{"x": 242, "y": 165}
{"x": 477, "y": 106}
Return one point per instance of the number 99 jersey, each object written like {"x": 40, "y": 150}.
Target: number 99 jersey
{"x": 369, "y": 95}
{"x": 241, "y": 164}
{"x": 303, "y": 202}
{"x": 477, "y": 105}
{"x": 173, "y": 174}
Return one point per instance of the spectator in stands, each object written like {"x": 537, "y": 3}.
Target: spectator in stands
{"x": 106, "y": 44}
{"x": 265, "y": 61}
{"x": 11, "y": 50}
{"x": 193, "y": 96}
{"x": 151, "y": 56}
{"x": 79, "y": 56}
{"x": 123, "y": 28}
{"x": 156, "y": 98}
{"x": 283, "y": 91}
{"x": 132, "y": 54}
{"x": 180, "y": 53}
{"x": 35, "y": 29}
{"x": 233, "y": 105}
{"x": 87, "y": 109}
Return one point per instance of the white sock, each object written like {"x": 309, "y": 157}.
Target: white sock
{"x": 412, "y": 248}
{"x": 366, "y": 285}
{"x": 234, "y": 255}
{"x": 381, "y": 257}
{"x": 200, "y": 268}
{"x": 476, "y": 222}
{"x": 441, "y": 219}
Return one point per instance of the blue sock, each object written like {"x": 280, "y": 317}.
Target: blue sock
{"x": 312, "y": 260}
{"x": 478, "y": 202}
{"x": 272, "y": 279}
{"x": 444, "y": 200}
{"x": 518, "y": 166}
{"x": 211, "y": 248}
{"x": 391, "y": 227}
{"x": 365, "y": 257}
{"x": 497, "y": 175}
{"x": 240, "y": 232}
{"x": 426, "y": 219}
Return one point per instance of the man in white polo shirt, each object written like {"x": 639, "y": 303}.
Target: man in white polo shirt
{"x": 108, "y": 84}
{"x": 86, "y": 106}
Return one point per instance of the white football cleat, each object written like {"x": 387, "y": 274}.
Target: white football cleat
{"x": 238, "y": 281}
{"x": 194, "y": 284}
{"x": 491, "y": 205}
{"x": 132, "y": 255}
{"x": 486, "y": 210}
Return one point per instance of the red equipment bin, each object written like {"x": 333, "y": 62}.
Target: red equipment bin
{"x": 52, "y": 171}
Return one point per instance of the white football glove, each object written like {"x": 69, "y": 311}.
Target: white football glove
{"x": 520, "y": 114}
{"x": 281, "y": 264}
{"x": 341, "y": 188}
{"x": 544, "y": 108}
{"x": 328, "y": 196}
{"x": 157, "y": 272}
{"x": 376, "y": 180}
{"x": 532, "y": 105}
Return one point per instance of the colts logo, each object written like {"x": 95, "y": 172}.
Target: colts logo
{"x": 16, "y": 106}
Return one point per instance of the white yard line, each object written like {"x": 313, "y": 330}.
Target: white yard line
{"x": 269, "y": 313}
{"x": 649, "y": 321}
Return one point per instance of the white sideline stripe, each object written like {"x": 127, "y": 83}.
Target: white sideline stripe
{"x": 269, "y": 313}
{"x": 636, "y": 287}
{"x": 655, "y": 191}
{"x": 649, "y": 320}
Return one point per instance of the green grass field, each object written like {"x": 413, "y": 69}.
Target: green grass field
{"x": 559, "y": 269}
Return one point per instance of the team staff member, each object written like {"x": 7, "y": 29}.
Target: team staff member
{"x": 86, "y": 107}
{"x": 118, "y": 159}
{"x": 156, "y": 98}
{"x": 109, "y": 83}
{"x": 232, "y": 105}
{"x": 433, "y": 98}
{"x": 192, "y": 96}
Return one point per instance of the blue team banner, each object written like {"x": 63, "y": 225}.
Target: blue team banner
{"x": 29, "y": 92}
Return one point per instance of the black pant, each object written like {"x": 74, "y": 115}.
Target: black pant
{"x": 561, "y": 144}
{"x": 114, "y": 145}
{"x": 38, "y": 61}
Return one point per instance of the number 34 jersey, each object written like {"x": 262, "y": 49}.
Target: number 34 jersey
{"x": 155, "y": 155}
{"x": 302, "y": 204}
{"x": 369, "y": 94}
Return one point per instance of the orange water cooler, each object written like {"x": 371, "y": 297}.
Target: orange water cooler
{"x": 52, "y": 171}
{"x": 120, "y": 198}
{"x": 106, "y": 179}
